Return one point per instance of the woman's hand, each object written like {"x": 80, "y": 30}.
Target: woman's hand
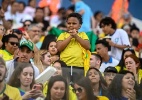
{"x": 37, "y": 93}
{"x": 28, "y": 95}
{"x": 131, "y": 93}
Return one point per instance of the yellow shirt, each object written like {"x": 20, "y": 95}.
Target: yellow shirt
{"x": 11, "y": 92}
{"x": 72, "y": 55}
{"x": 6, "y": 55}
{"x": 72, "y": 96}
{"x": 102, "y": 98}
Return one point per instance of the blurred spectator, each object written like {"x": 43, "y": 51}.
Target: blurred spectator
{"x": 42, "y": 59}
{"x": 109, "y": 74}
{"x": 6, "y": 90}
{"x": 99, "y": 85}
{"x": 102, "y": 50}
{"x": 95, "y": 61}
{"x": 31, "y": 8}
{"x": 24, "y": 54}
{"x": 4, "y": 4}
{"x": 98, "y": 15}
{"x": 25, "y": 71}
{"x": 132, "y": 64}
{"x": 8, "y": 24}
{"x": 26, "y": 24}
{"x": 10, "y": 45}
{"x": 87, "y": 15}
{"x": 119, "y": 38}
{"x": 39, "y": 18}
{"x": 11, "y": 15}
{"x": 18, "y": 33}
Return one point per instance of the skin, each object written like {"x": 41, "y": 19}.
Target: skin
{"x": 94, "y": 62}
{"x": 58, "y": 67}
{"x": 24, "y": 54}
{"x": 82, "y": 95}
{"x": 57, "y": 90}
{"x": 46, "y": 59}
{"x": 109, "y": 77}
{"x": 131, "y": 65}
{"x": 126, "y": 54}
{"x": 11, "y": 48}
{"x": 94, "y": 76}
{"x": 73, "y": 26}
{"x": 52, "y": 48}
{"x": 128, "y": 83}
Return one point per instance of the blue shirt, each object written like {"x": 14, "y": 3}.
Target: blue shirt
{"x": 86, "y": 17}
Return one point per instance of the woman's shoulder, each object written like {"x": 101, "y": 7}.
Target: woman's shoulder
{"x": 102, "y": 98}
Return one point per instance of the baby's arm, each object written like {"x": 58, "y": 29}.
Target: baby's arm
{"x": 84, "y": 43}
{"x": 61, "y": 45}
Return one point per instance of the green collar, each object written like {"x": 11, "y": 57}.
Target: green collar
{"x": 7, "y": 52}
{"x": 21, "y": 89}
{"x": 3, "y": 89}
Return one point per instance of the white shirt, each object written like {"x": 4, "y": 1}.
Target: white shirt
{"x": 111, "y": 63}
{"x": 10, "y": 69}
{"x": 120, "y": 37}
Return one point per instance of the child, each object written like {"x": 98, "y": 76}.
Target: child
{"x": 73, "y": 45}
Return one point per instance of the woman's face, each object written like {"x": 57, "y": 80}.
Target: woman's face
{"x": 126, "y": 54}
{"x": 46, "y": 59}
{"x": 94, "y": 76}
{"x": 26, "y": 76}
{"x": 80, "y": 92}
{"x": 131, "y": 65}
{"x": 58, "y": 90}
{"x": 58, "y": 67}
{"x": 128, "y": 81}
{"x": 52, "y": 48}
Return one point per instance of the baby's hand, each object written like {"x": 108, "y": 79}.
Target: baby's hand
{"x": 73, "y": 32}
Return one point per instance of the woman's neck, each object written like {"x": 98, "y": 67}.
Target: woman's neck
{"x": 124, "y": 94}
{"x": 25, "y": 88}
{"x": 1, "y": 86}
{"x": 96, "y": 89}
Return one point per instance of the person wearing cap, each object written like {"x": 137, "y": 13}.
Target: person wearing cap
{"x": 109, "y": 74}
{"x": 24, "y": 54}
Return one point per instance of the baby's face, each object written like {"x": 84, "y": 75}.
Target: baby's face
{"x": 73, "y": 24}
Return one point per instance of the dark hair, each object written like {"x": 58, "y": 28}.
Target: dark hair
{"x": 51, "y": 82}
{"x": 47, "y": 40}
{"x": 103, "y": 42}
{"x": 108, "y": 21}
{"x": 63, "y": 64}
{"x": 76, "y": 15}
{"x": 39, "y": 8}
{"x": 6, "y": 38}
{"x": 115, "y": 88}
{"x": 97, "y": 13}
{"x": 72, "y": 7}
{"x": 121, "y": 63}
{"x": 23, "y": 3}
{"x": 14, "y": 80}
{"x": 97, "y": 56}
{"x": 17, "y": 31}
{"x": 102, "y": 83}
{"x": 134, "y": 28}
{"x": 86, "y": 84}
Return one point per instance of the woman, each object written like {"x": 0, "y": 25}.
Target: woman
{"x": 125, "y": 52}
{"x": 84, "y": 91}
{"x": 58, "y": 65}
{"x": 23, "y": 79}
{"x": 42, "y": 59}
{"x": 57, "y": 88}
{"x": 124, "y": 87}
{"x": 132, "y": 64}
{"x": 97, "y": 81}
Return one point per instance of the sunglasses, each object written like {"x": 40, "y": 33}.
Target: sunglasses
{"x": 14, "y": 43}
{"x": 78, "y": 89}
